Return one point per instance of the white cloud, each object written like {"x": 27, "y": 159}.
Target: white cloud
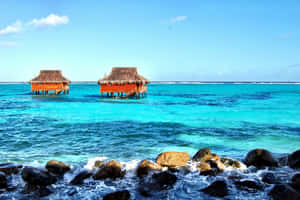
{"x": 51, "y": 20}
{"x": 14, "y": 28}
{"x": 7, "y": 44}
{"x": 174, "y": 20}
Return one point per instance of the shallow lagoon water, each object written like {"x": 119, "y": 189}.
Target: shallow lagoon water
{"x": 230, "y": 119}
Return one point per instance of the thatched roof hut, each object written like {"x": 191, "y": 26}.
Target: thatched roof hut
{"x": 123, "y": 75}
{"x": 123, "y": 81}
{"x": 50, "y": 76}
{"x": 50, "y": 80}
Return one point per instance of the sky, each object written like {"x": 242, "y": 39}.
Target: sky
{"x": 167, "y": 40}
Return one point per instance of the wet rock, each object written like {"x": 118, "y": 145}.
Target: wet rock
{"x": 296, "y": 182}
{"x": 10, "y": 168}
{"x": 35, "y": 176}
{"x": 204, "y": 166}
{"x": 99, "y": 164}
{"x": 79, "y": 178}
{"x": 284, "y": 192}
{"x": 40, "y": 191}
{"x": 164, "y": 179}
{"x": 57, "y": 167}
{"x": 216, "y": 164}
{"x": 147, "y": 166}
{"x": 112, "y": 169}
{"x": 248, "y": 185}
{"x": 204, "y": 155}
{"x": 294, "y": 160}
{"x": 172, "y": 159}
{"x": 269, "y": 178}
{"x": 217, "y": 189}
{"x": 229, "y": 162}
{"x": 211, "y": 172}
{"x": 283, "y": 161}
{"x": 119, "y": 195}
{"x": 3, "y": 180}
{"x": 260, "y": 158}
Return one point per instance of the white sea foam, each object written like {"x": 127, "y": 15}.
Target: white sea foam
{"x": 91, "y": 162}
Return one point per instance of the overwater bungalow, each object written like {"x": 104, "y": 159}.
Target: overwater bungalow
{"x": 123, "y": 82}
{"x": 50, "y": 82}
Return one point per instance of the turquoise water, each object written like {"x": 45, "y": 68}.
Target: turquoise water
{"x": 230, "y": 119}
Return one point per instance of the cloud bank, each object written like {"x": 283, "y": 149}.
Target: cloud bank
{"x": 51, "y": 20}
{"x": 11, "y": 29}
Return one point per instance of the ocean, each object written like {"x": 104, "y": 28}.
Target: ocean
{"x": 230, "y": 119}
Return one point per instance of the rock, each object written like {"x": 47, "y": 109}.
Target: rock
{"x": 164, "y": 179}
{"x": 99, "y": 164}
{"x": 40, "y": 191}
{"x": 57, "y": 167}
{"x": 172, "y": 159}
{"x": 248, "y": 184}
{"x": 203, "y": 166}
{"x": 269, "y": 178}
{"x": 260, "y": 158}
{"x": 217, "y": 189}
{"x": 10, "y": 168}
{"x": 283, "y": 161}
{"x": 294, "y": 160}
{"x": 211, "y": 172}
{"x": 79, "y": 178}
{"x": 204, "y": 155}
{"x": 216, "y": 164}
{"x": 229, "y": 162}
{"x": 119, "y": 195}
{"x": 35, "y": 176}
{"x": 3, "y": 180}
{"x": 296, "y": 182}
{"x": 283, "y": 192}
{"x": 146, "y": 166}
{"x": 112, "y": 169}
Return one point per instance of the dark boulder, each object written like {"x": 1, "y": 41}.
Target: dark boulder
{"x": 39, "y": 191}
{"x": 147, "y": 166}
{"x": 3, "y": 180}
{"x": 10, "y": 168}
{"x": 260, "y": 158}
{"x": 119, "y": 195}
{"x": 79, "y": 178}
{"x": 99, "y": 163}
{"x": 294, "y": 160}
{"x": 159, "y": 182}
{"x": 57, "y": 167}
{"x": 164, "y": 179}
{"x": 284, "y": 192}
{"x": 217, "y": 189}
{"x": 112, "y": 169}
{"x": 211, "y": 172}
{"x": 248, "y": 185}
{"x": 35, "y": 176}
{"x": 269, "y": 178}
{"x": 296, "y": 182}
{"x": 216, "y": 164}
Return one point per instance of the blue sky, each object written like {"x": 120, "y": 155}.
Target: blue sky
{"x": 167, "y": 40}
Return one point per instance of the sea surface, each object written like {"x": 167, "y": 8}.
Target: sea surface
{"x": 230, "y": 119}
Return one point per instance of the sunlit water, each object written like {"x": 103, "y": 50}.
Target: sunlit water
{"x": 230, "y": 119}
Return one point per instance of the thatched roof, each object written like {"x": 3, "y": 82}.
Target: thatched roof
{"x": 50, "y": 76}
{"x": 123, "y": 75}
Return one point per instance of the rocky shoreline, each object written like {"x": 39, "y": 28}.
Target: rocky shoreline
{"x": 162, "y": 174}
